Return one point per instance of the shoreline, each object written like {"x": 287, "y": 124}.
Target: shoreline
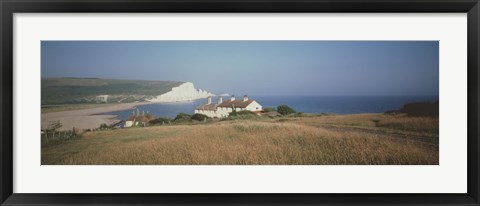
{"x": 96, "y": 115}
{"x": 86, "y": 118}
{"x": 90, "y": 118}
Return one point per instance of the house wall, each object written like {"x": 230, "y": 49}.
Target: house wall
{"x": 254, "y": 106}
{"x": 222, "y": 112}
{"x": 128, "y": 123}
{"x": 209, "y": 113}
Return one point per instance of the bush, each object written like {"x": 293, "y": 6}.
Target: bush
{"x": 160, "y": 120}
{"x": 182, "y": 116}
{"x": 199, "y": 117}
{"x": 246, "y": 112}
{"x": 269, "y": 109}
{"x": 233, "y": 113}
{"x": 285, "y": 110}
{"x": 241, "y": 113}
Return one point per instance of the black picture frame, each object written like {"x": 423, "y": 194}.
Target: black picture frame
{"x": 9, "y": 7}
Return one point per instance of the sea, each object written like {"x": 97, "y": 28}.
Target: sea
{"x": 305, "y": 104}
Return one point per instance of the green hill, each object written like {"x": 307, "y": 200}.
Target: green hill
{"x": 85, "y": 90}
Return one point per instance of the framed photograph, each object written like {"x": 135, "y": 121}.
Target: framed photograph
{"x": 239, "y": 102}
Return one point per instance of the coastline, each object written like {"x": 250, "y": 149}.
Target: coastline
{"x": 86, "y": 118}
{"x": 91, "y": 116}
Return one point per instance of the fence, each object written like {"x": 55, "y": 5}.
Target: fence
{"x": 49, "y": 135}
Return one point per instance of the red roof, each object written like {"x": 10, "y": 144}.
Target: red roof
{"x": 206, "y": 106}
{"x": 235, "y": 103}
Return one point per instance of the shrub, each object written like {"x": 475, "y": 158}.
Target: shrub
{"x": 160, "y": 120}
{"x": 199, "y": 117}
{"x": 241, "y": 113}
{"x": 269, "y": 109}
{"x": 233, "y": 113}
{"x": 182, "y": 116}
{"x": 246, "y": 112}
{"x": 285, "y": 110}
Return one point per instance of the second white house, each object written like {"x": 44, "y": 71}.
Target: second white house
{"x": 223, "y": 108}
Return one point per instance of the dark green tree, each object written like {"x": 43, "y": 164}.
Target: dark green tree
{"x": 285, "y": 110}
{"x": 246, "y": 113}
{"x": 182, "y": 116}
{"x": 199, "y": 117}
{"x": 233, "y": 113}
{"x": 160, "y": 121}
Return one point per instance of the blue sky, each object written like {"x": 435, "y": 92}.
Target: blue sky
{"x": 256, "y": 67}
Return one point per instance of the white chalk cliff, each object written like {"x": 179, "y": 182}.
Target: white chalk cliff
{"x": 184, "y": 92}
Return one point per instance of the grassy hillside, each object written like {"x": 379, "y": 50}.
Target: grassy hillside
{"x": 315, "y": 140}
{"x": 84, "y": 90}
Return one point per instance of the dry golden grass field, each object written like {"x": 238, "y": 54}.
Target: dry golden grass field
{"x": 364, "y": 139}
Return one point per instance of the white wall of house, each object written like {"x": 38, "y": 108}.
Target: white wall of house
{"x": 254, "y": 106}
{"x": 128, "y": 123}
{"x": 222, "y": 112}
{"x": 209, "y": 113}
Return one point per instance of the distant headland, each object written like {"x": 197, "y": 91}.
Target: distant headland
{"x": 95, "y": 90}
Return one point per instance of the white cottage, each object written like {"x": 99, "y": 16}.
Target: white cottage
{"x": 223, "y": 108}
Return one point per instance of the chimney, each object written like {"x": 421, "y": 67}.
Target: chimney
{"x": 232, "y": 98}
{"x": 209, "y": 99}
{"x": 219, "y": 99}
{"x": 245, "y": 98}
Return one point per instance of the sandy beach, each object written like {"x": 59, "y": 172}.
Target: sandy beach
{"x": 86, "y": 118}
